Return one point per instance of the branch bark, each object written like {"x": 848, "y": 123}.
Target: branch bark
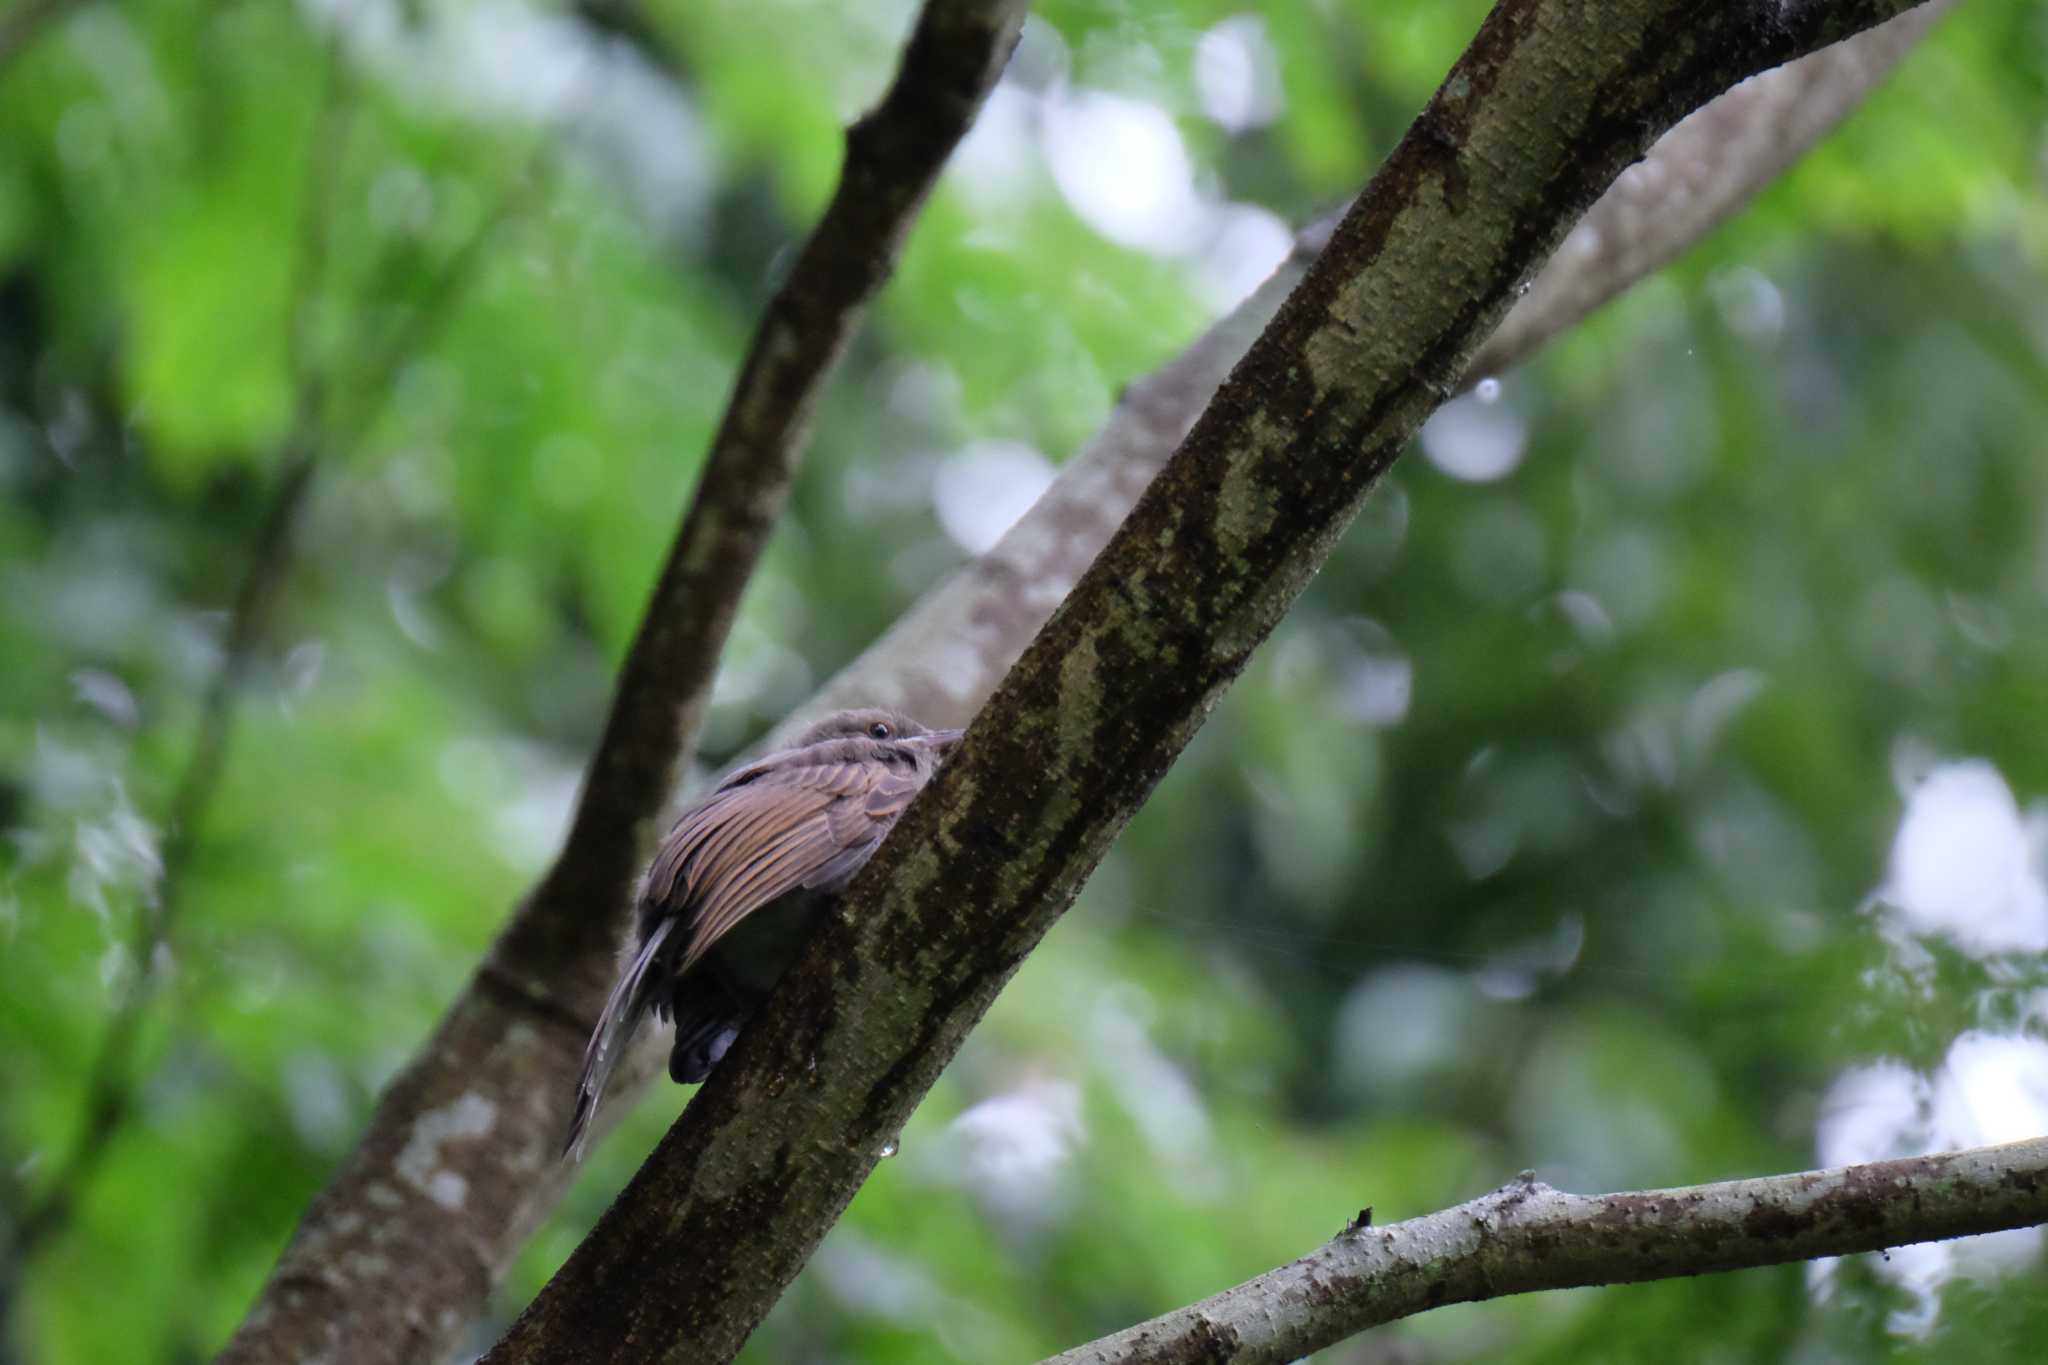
{"x": 1527, "y": 1236}
{"x": 942, "y": 658}
{"x": 503, "y": 1053}
{"x": 1553, "y": 99}
{"x": 403, "y": 1246}
{"x": 1696, "y": 176}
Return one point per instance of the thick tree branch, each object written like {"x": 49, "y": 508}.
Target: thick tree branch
{"x": 1553, "y": 99}
{"x": 941, "y": 660}
{"x": 1698, "y": 174}
{"x": 401, "y": 1249}
{"x": 500, "y": 1050}
{"x": 943, "y": 657}
{"x": 1528, "y": 1236}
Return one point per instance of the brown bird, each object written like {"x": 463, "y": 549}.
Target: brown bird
{"x": 777, "y": 836}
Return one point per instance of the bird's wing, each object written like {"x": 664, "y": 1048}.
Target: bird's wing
{"x": 858, "y": 825}
{"x": 755, "y": 840}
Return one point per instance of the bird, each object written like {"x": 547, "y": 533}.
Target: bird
{"x": 740, "y": 877}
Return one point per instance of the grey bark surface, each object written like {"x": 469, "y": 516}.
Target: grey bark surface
{"x": 1551, "y": 102}
{"x": 1527, "y": 1236}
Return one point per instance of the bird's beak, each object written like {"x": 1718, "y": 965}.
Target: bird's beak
{"x": 940, "y": 741}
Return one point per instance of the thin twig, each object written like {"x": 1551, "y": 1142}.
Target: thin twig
{"x": 1527, "y": 1236}
{"x": 112, "y": 1082}
{"x": 12, "y": 1197}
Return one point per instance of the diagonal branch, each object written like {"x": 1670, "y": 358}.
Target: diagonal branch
{"x": 1698, "y": 175}
{"x": 940, "y": 662}
{"x": 381, "y": 1266}
{"x": 1527, "y": 1236}
{"x": 941, "y": 659}
{"x": 1553, "y": 99}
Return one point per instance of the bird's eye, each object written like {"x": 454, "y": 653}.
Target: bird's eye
{"x": 880, "y": 729}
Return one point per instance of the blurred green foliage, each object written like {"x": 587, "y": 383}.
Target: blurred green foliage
{"x": 1541, "y": 835}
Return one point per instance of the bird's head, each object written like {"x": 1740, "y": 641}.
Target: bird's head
{"x": 879, "y": 725}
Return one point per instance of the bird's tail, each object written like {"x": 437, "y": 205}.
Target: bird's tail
{"x": 622, "y": 1014}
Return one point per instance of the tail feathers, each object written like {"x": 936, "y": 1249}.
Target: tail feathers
{"x": 622, "y": 1014}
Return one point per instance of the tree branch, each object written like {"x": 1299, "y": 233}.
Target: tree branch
{"x": 401, "y": 1249}
{"x": 1553, "y": 99}
{"x": 942, "y": 658}
{"x": 501, "y": 1049}
{"x": 893, "y": 156}
{"x": 1527, "y": 1236}
{"x": 1698, "y": 175}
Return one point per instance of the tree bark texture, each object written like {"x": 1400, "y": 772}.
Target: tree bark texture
{"x": 403, "y": 1247}
{"x": 1553, "y": 99}
{"x": 502, "y": 1050}
{"x": 1696, "y": 176}
{"x": 1528, "y": 1236}
{"x": 940, "y": 661}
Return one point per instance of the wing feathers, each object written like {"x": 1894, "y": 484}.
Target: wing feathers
{"x": 803, "y": 818}
{"x": 754, "y": 873}
{"x": 767, "y": 832}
